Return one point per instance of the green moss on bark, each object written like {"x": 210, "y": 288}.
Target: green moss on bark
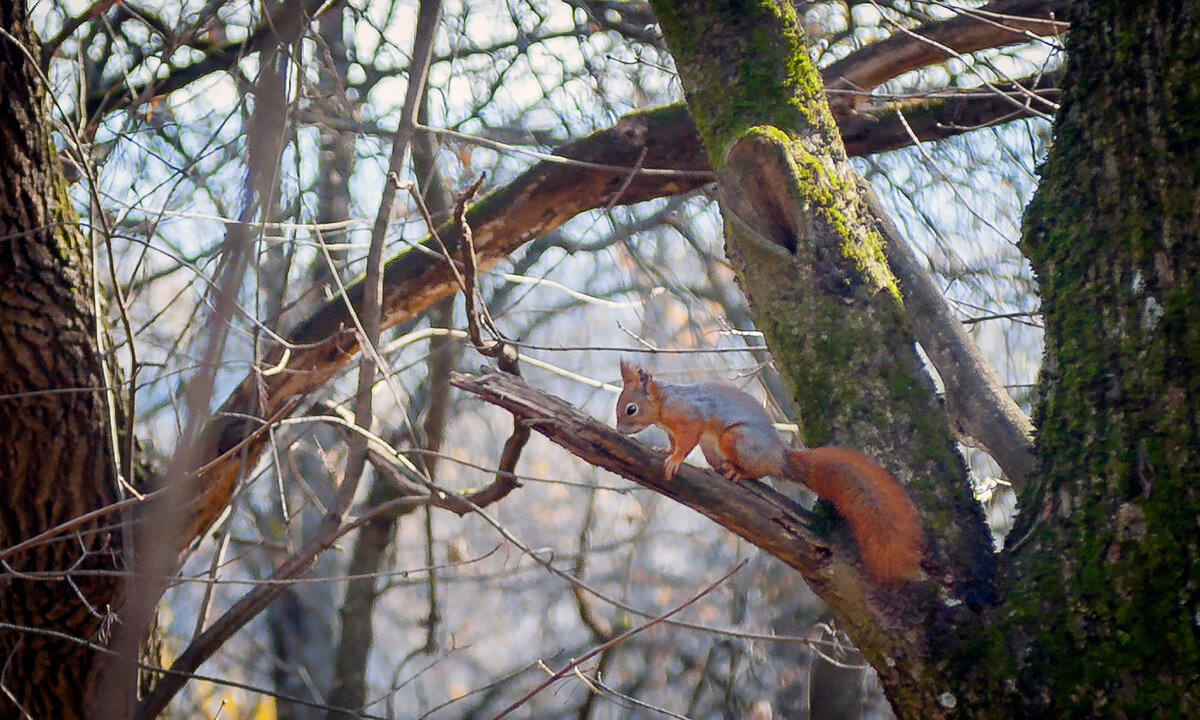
{"x": 768, "y": 78}
{"x": 1104, "y": 588}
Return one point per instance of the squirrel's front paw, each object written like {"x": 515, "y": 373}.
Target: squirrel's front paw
{"x": 670, "y": 466}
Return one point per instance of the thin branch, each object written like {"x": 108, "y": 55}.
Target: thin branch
{"x": 477, "y": 316}
{"x": 159, "y": 539}
{"x": 284, "y": 26}
{"x": 570, "y": 667}
{"x": 157, "y": 670}
{"x": 331, "y": 524}
{"x": 940, "y": 115}
{"x": 95, "y": 10}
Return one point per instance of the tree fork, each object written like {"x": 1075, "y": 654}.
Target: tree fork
{"x": 811, "y": 262}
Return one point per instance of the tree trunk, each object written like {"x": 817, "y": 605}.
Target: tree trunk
{"x": 1102, "y": 607}
{"x": 57, "y": 454}
{"x": 810, "y": 260}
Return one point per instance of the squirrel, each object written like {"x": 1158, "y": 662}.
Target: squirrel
{"x": 739, "y": 441}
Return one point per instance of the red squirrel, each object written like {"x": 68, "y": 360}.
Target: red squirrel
{"x": 739, "y": 441}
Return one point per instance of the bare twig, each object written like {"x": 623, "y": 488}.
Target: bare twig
{"x": 570, "y": 667}
{"x": 471, "y": 279}
{"x": 328, "y": 528}
{"x": 95, "y": 10}
{"x": 160, "y": 538}
{"x": 499, "y": 348}
{"x": 284, "y": 26}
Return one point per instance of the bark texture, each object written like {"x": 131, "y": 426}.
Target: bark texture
{"x": 56, "y": 455}
{"x": 1102, "y": 615}
{"x": 1099, "y": 589}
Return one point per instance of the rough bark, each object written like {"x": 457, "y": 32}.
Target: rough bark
{"x": 1101, "y": 610}
{"x": 1098, "y": 589}
{"x": 57, "y": 453}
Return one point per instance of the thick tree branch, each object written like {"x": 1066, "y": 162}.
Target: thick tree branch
{"x": 536, "y": 202}
{"x": 998, "y": 24}
{"x": 941, "y": 116}
{"x": 541, "y": 199}
{"x": 800, "y": 237}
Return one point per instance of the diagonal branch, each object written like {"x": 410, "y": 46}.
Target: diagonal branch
{"x": 541, "y": 199}
{"x": 536, "y": 202}
{"x": 942, "y": 115}
{"x": 975, "y": 398}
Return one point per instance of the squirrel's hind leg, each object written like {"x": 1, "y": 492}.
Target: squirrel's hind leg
{"x": 747, "y": 454}
{"x": 710, "y": 446}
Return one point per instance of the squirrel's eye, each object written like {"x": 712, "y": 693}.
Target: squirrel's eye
{"x": 631, "y": 409}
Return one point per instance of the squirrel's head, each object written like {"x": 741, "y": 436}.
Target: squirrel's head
{"x": 639, "y": 403}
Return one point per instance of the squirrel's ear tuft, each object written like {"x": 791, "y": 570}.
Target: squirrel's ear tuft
{"x": 633, "y": 374}
{"x": 629, "y": 372}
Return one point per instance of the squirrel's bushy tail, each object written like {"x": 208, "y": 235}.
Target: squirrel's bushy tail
{"x": 882, "y": 518}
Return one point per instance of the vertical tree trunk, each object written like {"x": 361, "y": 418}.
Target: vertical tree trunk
{"x": 56, "y": 451}
{"x": 1103, "y": 607}
{"x": 810, "y": 260}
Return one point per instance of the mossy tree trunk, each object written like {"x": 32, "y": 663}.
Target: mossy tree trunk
{"x": 57, "y": 457}
{"x": 1102, "y": 607}
{"x": 1094, "y": 611}
{"x": 808, "y": 255}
